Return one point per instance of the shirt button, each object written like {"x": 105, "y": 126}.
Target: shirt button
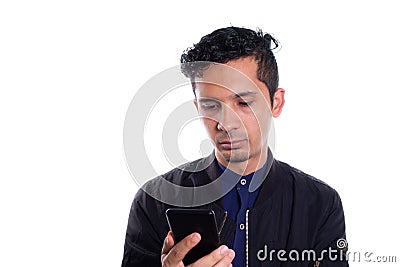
{"x": 241, "y": 226}
{"x": 243, "y": 181}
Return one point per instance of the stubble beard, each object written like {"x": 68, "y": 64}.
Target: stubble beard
{"x": 236, "y": 156}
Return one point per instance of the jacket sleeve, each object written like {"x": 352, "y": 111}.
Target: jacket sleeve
{"x": 143, "y": 241}
{"x": 331, "y": 244}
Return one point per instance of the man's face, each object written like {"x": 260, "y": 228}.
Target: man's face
{"x": 237, "y": 110}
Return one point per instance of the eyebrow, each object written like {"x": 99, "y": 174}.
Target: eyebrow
{"x": 244, "y": 94}
{"x": 206, "y": 99}
{"x": 234, "y": 96}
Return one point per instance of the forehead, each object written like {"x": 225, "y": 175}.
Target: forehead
{"x": 236, "y": 77}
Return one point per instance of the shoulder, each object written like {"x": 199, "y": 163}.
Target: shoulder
{"x": 174, "y": 182}
{"x": 193, "y": 173}
{"x": 307, "y": 185}
{"x": 314, "y": 197}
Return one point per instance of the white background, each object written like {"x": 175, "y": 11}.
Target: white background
{"x": 69, "y": 69}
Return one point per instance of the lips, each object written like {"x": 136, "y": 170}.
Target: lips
{"x": 234, "y": 144}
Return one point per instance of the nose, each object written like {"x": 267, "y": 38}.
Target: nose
{"x": 228, "y": 120}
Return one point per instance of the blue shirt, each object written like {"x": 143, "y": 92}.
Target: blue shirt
{"x": 236, "y": 202}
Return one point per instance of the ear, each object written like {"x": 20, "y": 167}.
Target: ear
{"x": 195, "y": 104}
{"x": 278, "y": 103}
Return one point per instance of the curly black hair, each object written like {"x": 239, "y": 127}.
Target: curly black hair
{"x": 232, "y": 43}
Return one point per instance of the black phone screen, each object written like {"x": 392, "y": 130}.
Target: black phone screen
{"x": 184, "y": 222}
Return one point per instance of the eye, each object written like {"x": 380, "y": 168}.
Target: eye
{"x": 245, "y": 103}
{"x": 209, "y": 106}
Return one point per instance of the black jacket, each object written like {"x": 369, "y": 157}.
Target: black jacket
{"x": 294, "y": 212}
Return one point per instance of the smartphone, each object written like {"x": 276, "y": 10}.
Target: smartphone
{"x": 183, "y": 222}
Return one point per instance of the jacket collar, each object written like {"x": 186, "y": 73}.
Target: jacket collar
{"x": 268, "y": 181}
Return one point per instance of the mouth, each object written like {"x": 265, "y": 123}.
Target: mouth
{"x": 234, "y": 144}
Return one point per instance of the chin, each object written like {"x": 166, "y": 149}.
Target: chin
{"x": 235, "y": 156}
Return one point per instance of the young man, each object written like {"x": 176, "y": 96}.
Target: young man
{"x": 272, "y": 206}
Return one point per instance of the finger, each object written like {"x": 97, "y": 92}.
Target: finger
{"x": 179, "y": 251}
{"x": 168, "y": 243}
{"x": 226, "y": 261}
{"x": 222, "y": 254}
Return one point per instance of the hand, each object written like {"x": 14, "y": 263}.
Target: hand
{"x": 172, "y": 255}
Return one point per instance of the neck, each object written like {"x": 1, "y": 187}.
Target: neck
{"x": 244, "y": 168}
